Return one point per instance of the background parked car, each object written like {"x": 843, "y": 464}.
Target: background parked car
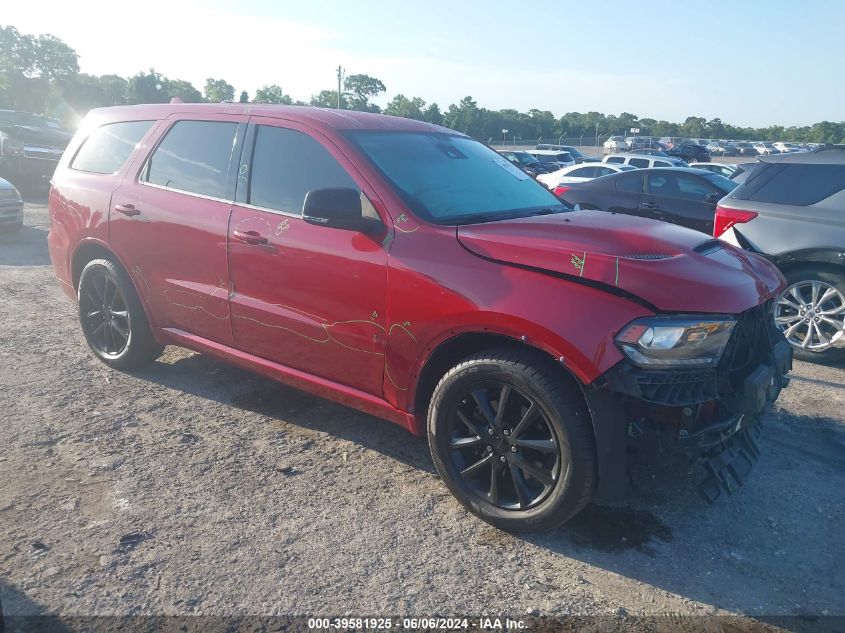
{"x": 726, "y": 170}
{"x": 651, "y": 152}
{"x": 690, "y": 152}
{"x": 580, "y": 173}
{"x": 682, "y": 196}
{"x": 643, "y": 160}
{"x": 744, "y": 148}
{"x": 553, "y": 159}
{"x": 573, "y": 151}
{"x": 764, "y": 149}
{"x": 11, "y": 208}
{"x": 30, "y": 147}
{"x": 527, "y": 163}
{"x": 615, "y": 144}
{"x": 720, "y": 148}
{"x": 791, "y": 210}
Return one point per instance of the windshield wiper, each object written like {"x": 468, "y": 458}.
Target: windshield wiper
{"x": 549, "y": 210}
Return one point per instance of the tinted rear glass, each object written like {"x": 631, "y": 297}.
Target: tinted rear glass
{"x": 194, "y": 156}
{"x": 108, "y": 147}
{"x": 632, "y": 183}
{"x": 794, "y": 184}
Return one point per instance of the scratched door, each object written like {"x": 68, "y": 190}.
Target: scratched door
{"x": 309, "y": 297}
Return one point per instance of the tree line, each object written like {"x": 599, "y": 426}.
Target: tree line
{"x": 41, "y": 74}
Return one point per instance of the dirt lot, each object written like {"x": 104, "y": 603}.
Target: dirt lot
{"x": 195, "y": 488}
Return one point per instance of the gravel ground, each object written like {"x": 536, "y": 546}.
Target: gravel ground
{"x": 192, "y": 487}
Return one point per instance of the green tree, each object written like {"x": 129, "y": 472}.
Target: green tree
{"x": 183, "y": 89}
{"x": 464, "y": 117}
{"x": 432, "y": 114}
{"x": 244, "y": 98}
{"x": 360, "y": 88}
{"x": 54, "y": 58}
{"x": 219, "y": 90}
{"x": 115, "y": 89}
{"x": 148, "y": 88}
{"x": 271, "y": 93}
{"x": 328, "y": 99}
{"x": 412, "y": 108}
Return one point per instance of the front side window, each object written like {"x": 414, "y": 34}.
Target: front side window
{"x": 660, "y": 163}
{"x": 615, "y": 159}
{"x": 584, "y": 172}
{"x": 638, "y": 162}
{"x": 194, "y": 157}
{"x": 109, "y": 146}
{"x": 450, "y": 179}
{"x": 286, "y": 165}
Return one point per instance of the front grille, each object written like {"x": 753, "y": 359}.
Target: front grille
{"x": 37, "y": 151}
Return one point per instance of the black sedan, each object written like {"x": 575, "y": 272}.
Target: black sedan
{"x": 682, "y": 196}
{"x": 690, "y": 152}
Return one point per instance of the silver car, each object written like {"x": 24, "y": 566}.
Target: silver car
{"x": 791, "y": 209}
{"x": 11, "y": 208}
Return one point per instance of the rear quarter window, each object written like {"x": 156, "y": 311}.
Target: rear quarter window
{"x": 194, "y": 157}
{"x": 795, "y": 184}
{"x": 108, "y": 147}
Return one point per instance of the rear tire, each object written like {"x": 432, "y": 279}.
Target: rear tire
{"x": 528, "y": 467}
{"x": 112, "y": 317}
{"x": 800, "y": 282}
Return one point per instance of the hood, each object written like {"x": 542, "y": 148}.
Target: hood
{"x": 37, "y": 136}
{"x": 672, "y": 268}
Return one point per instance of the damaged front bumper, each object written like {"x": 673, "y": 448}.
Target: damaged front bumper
{"x": 711, "y": 417}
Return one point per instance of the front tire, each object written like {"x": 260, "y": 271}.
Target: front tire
{"x": 112, "y": 317}
{"x": 512, "y": 439}
{"x": 811, "y": 313}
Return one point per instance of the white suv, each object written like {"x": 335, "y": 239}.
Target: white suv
{"x": 643, "y": 161}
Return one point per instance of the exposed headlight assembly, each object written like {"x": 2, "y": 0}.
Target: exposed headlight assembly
{"x": 683, "y": 342}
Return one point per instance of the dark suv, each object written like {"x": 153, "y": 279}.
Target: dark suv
{"x": 690, "y": 152}
{"x": 792, "y": 210}
{"x": 30, "y": 147}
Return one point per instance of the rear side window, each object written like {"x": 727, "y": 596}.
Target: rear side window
{"x": 638, "y": 162}
{"x": 632, "y": 183}
{"x": 109, "y": 146}
{"x": 800, "y": 185}
{"x": 286, "y": 165}
{"x": 194, "y": 157}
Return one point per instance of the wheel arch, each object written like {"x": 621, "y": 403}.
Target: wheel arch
{"x": 828, "y": 257}
{"x": 452, "y": 350}
{"x": 89, "y": 250}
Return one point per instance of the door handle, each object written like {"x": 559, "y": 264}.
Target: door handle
{"x": 648, "y": 205}
{"x": 249, "y": 237}
{"x": 127, "y": 209}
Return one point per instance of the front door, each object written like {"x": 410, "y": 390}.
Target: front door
{"x": 169, "y": 221}
{"x": 306, "y": 296}
{"x": 681, "y": 199}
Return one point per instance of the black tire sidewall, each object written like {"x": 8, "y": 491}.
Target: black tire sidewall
{"x": 141, "y": 345}
{"x": 564, "y": 500}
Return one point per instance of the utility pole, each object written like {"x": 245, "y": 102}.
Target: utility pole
{"x": 340, "y": 73}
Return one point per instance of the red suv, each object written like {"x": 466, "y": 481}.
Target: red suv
{"x": 413, "y": 273}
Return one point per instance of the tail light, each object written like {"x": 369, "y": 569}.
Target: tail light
{"x": 726, "y": 218}
{"x": 560, "y": 190}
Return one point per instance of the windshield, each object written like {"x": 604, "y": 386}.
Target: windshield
{"x": 525, "y": 158}
{"x": 449, "y": 179}
{"x": 23, "y": 118}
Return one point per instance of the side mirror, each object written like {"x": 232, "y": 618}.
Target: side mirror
{"x": 338, "y": 208}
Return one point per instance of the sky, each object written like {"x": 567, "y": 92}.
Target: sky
{"x": 749, "y": 62}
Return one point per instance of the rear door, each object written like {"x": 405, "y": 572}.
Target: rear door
{"x": 679, "y": 198}
{"x": 169, "y": 221}
{"x": 309, "y": 297}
